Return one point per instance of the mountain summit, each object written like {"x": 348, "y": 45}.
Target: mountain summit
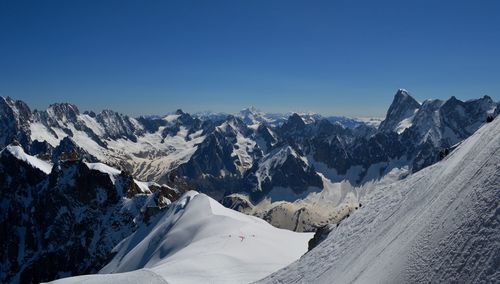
{"x": 400, "y": 113}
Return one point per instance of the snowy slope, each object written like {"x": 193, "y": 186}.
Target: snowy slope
{"x": 438, "y": 225}
{"x": 197, "y": 240}
{"x": 19, "y": 153}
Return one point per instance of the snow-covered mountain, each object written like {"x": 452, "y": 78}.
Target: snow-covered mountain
{"x": 438, "y": 225}
{"x": 401, "y": 112}
{"x": 64, "y": 219}
{"x": 443, "y": 123}
{"x": 197, "y": 240}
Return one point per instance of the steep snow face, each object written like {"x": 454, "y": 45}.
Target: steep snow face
{"x": 439, "y": 225}
{"x": 197, "y": 240}
{"x": 19, "y": 153}
{"x": 406, "y": 122}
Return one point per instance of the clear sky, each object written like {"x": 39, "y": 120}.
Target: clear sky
{"x": 333, "y": 57}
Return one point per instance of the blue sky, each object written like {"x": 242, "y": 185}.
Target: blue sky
{"x": 333, "y": 57}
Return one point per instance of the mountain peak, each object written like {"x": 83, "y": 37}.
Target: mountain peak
{"x": 18, "y": 107}
{"x": 250, "y": 109}
{"x": 402, "y": 92}
{"x": 296, "y": 119}
{"x": 403, "y": 108}
{"x": 294, "y": 122}
{"x": 8, "y": 100}
{"x": 235, "y": 121}
{"x": 63, "y": 111}
{"x": 64, "y": 107}
{"x": 252, "y": 115}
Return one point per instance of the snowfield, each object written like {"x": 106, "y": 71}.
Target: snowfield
{"x": 197, "y": 240}
{"x": 438, "y": 225}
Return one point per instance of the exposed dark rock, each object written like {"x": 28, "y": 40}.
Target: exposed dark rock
{"x": 237, "y": 203}
{"x": 319, "y": 236}
{"x": 118, "y": 125}
{"x": 15, "y": 117}
{"x": 69, "y": 150}
{"x": 65, "y": 223}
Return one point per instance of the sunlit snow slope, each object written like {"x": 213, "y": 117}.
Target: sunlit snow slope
{"x": 439, "y": 225}
{"x": 197, "y": 240}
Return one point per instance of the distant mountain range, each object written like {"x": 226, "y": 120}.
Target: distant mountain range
{"x": 250, "y": 152}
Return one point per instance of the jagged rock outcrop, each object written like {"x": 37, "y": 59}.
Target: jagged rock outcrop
{"x": 65, "y": 221}
{"x": 319, "y": 236}
{"x": 15, "y": 119}
{"x": 400, "y": 113}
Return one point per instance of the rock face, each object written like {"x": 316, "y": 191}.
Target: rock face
{"x": 400, "y": 113}
{"x": 118, "y": 126}
{"x": 14, "y": 122}
{"x": 284, "y": 168}
{"x": 65, "y": 222}
{"x": 443, "y": 123}
{"x": 69, "y": 150}
{"x": 319, "y": 236}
